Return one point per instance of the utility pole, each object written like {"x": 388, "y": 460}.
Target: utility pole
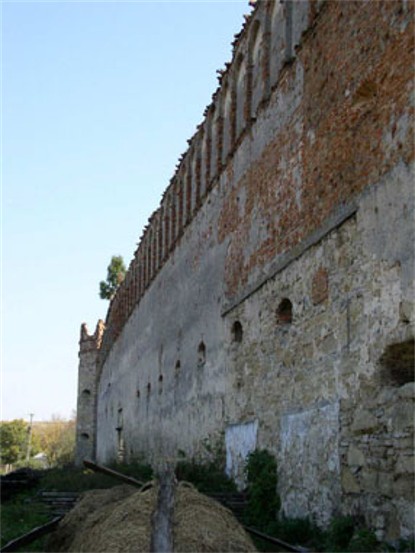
{"x": 29, "y": 438}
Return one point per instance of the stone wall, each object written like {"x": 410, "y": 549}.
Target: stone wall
{"x": 86, "y": 420}
{"x": 270, "y": 301}
{"x": 332, "y": 385}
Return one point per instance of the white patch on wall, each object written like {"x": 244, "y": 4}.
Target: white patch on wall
{"x": 309, "y": 464}
{"x": 240, "y": 440}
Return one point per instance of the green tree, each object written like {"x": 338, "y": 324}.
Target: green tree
{"x": 56, "y": 439}
{"x": 13, "y": 440}
{"x": 115, "y": 275}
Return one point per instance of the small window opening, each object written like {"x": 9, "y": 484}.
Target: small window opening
{"x": 148, "y": 389}
{"x": 120, "y": 419}
{"x": 201, "y": 351}
{"x": 85, "y": 436}
{"x": 398, "y": 363}
{"x": 86, "y": 393}
{"x": 160, "y": 383}
{"x": 137, "y": 393}
{"x": 177, "y": 368}
{"x": 237, "y": 332}
{"x": 285, "y": 312}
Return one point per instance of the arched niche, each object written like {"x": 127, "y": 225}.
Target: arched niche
{"x": 284, "y": 313}
{"x": 277, "y": 50}
{"x": 240, "y": 94}
{"x": 201, "y": 354}
{"x": 237, "y": 332}
{"x": 215, "y": 145}
{"x": 257, "y": 77}
{"x": 205, "y": 160}
{"x": 227, "y": 122}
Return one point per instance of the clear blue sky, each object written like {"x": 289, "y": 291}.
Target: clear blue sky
{"x": 98, "y": 101}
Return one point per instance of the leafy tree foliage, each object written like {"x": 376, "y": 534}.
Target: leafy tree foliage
{"x": 115, "y": 275}
{"x": 13, "y": 440}
{"x": 56, "y": 439}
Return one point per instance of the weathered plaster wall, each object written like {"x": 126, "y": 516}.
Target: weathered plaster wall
{"x": 240, "y": 441}
{"x": 274, "y": 286}
{"x": 318, "y": 385}
{"x": 166, "y": 390}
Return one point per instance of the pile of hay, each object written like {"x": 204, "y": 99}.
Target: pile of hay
{"x": 202, "y": 524}
{"x": 120, "y": 520}
{"x": 113, "y": 520}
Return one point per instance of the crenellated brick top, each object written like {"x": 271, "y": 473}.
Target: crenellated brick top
{"x": 329, "y": 146}
{"x": 245, "y": 85}
{"x": 91, "y": 342}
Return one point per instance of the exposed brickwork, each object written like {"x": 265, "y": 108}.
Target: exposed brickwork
{"x": 351, "y": 127}
{"x": 290, "y": 221}
{"x": 342, "y": 137}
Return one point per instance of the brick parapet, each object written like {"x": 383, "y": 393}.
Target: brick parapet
{"x": 263, "y": 62}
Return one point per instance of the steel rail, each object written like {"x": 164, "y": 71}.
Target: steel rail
{"x": 27, "y": 538}
{"x": 110, "y": 472}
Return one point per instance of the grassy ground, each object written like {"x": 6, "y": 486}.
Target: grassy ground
{"x": 20, "y": 515}
{"x": 24, "y": 511}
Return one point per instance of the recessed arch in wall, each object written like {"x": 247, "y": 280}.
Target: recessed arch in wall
{"x": 215, "y": 142}
{"x": 237, "y": 332}
{"x": 205, "y": 159}
{"x": 255, "y": 42}
{"x": 227, "y": 121}
{"x": 284, "y": 314}
{"x": 85, "y": 436}
{"x": 201, "y": 354}
{"x": 240, "y": 94}
{"x": 397, "y": 363}
{"x": 86, "y": 393}
{"x": 256, "y": 53}
{"x": 120, "y": 418}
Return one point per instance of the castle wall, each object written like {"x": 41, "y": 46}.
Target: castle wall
{"x": 339, "y": 422}
{"x": 86, "y": 420}
{"x": 271, "y": 298}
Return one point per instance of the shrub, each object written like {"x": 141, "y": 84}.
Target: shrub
{"x": 406, "y": 546}
{"x": 263, "y": 501}
{"x": 206, "y": 477}
{"x": 363, "y": 540}
{"x": 300, "y": 531}
{"x": 137, "y": 469}
{"x": 339, "y": 533}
